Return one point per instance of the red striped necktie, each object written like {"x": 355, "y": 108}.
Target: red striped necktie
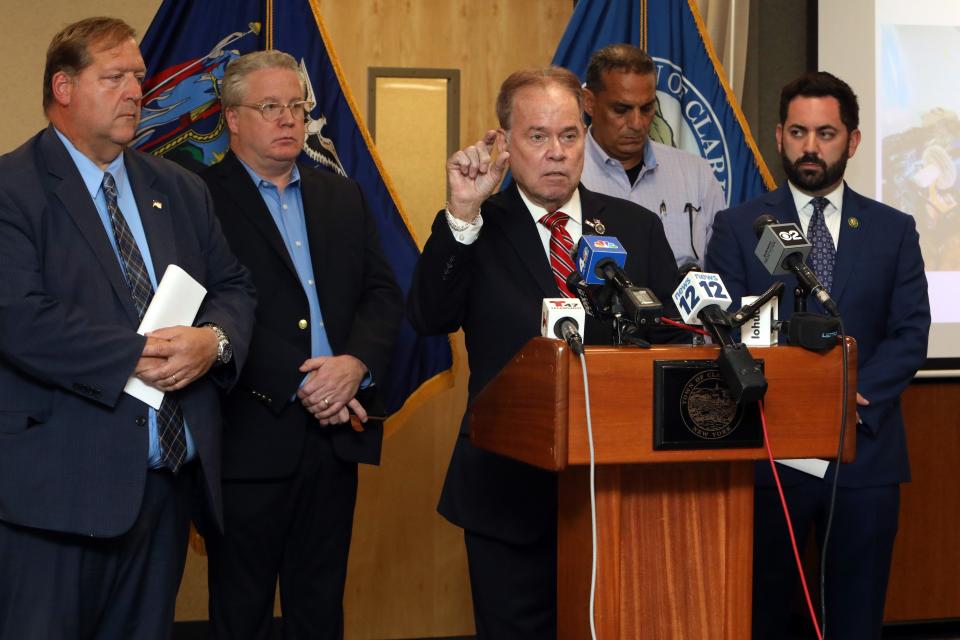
{"x": 561, "y": 248}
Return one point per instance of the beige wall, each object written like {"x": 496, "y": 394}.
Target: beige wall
{"x": 407, "y": 567}
{"x": 25, "y": 31}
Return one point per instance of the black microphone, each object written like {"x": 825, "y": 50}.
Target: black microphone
{"x": 812, "y": 331}
{"x": 639, "y": 303}
{"x": 579, "y": 287}
{"x": 782, "y": 248}
{"x": 567, "y": 329}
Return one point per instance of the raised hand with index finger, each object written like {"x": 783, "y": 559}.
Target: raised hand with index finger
{"x": 473, "y": 176}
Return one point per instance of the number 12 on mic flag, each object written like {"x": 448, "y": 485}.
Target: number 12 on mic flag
{"x": 697, "y": 291}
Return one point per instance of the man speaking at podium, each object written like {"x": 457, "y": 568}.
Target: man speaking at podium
{"x": 867, "y": 256}
{"x": 486, "y": 268}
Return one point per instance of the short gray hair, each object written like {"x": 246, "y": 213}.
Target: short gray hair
{"x": 233, "y": 86}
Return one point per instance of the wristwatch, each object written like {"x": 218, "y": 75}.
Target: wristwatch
{"x": 224, "y": 350}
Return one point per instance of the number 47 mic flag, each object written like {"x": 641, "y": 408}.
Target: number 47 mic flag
{"x": 187, "y": 48}
{"x": 696, "y": 110}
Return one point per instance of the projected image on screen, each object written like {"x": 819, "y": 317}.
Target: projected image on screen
{"x": 919, "y": 120}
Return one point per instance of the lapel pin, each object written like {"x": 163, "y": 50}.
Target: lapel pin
{"x": 596, "y": 225}
{"x": 853, "y": 222}
{"x": 157, "y": 204}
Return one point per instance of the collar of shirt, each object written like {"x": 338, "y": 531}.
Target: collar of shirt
{"x": 262, "y": 182}
{"x": 90, "y": 173}
{"x": 571, "y": 207}
{"x": 831, "y": 215}
{"x": 603, "y": 158}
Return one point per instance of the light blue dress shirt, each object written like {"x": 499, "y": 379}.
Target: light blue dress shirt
{"x": 286, "y": 209}
{"x": 669, "y": 180}
{"x": 92, "y": 176}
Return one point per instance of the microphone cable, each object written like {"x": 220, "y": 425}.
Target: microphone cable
{"x": 836, "y": 475}
{"x": 685, "y": 327}
{"x": 820, "y": 628}
{"x": 786, "y": 513}
{"x": 593, "y": 497}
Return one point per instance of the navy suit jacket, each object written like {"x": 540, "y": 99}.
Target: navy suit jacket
{"x": 494, "y": 289}
{"x": 359, "y": 298}
{"x": 881, "y": 290}
{"x": 73, "y": 446}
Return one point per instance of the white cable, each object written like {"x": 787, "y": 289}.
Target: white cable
{"x": 593, "y": 498}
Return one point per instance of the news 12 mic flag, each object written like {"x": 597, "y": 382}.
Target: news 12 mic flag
{"x": 187, "y": 48}
{"x": 696, "y": 110}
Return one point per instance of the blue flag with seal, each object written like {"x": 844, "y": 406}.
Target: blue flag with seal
{"x": 187, "y": 48}
{"x": 696, "y": 110}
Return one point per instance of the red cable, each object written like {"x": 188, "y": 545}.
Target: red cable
{"x": 688, "y": 327}
{"x": 786, "y": 513}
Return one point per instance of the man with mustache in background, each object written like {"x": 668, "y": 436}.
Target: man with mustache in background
{"x": 867, "y": 255}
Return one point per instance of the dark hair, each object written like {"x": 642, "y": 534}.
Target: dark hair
{"x": 543, "y": 78}
{"x": 821, "y": 84}
{"x": 619, "y": 57}
{"x": 69, "y": 51}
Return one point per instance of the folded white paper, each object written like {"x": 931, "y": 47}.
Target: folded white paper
{"x": 176, "y": 302}
{"x": 813, "y": 466}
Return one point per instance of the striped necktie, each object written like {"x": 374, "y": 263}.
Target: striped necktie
{"x": 561, "y": 249}
{"x": 173, "y": 444}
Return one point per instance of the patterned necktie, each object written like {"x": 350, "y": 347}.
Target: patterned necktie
{"x": 561, "y": 249}
{"x": 824, "y": 253}
{"x": 173, "y": 445}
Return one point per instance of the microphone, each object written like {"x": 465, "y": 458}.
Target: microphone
{"x": 701, "y": 298}
{"x": 578, "y": 286}
{"x": 812, "y": 331}
{"x": 562, "y": 318}
{"x": 782, "y": 249}
{"x": 640, "y": 304}
{"x": 594, "y": 249}
{"x": 697, "y": 291}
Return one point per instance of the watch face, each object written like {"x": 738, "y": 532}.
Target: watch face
{"x": 226, "y": 352}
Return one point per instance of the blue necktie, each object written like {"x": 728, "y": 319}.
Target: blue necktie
{"x": 823, "y": 255}
{"x": 173, "y": 444}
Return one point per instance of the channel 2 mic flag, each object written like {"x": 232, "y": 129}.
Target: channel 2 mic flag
{"x": 187, "y": 48}
{"x": 696, "y": 110}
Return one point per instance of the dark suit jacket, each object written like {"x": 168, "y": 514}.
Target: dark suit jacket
{"x": 73, "y": 446}
{"x": 359, "y": 298}
{"x": 494, "y": 290}
{"x": 880, "y": 287}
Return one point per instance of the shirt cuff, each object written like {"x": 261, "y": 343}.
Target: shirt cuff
{"x": 464, "y": 232}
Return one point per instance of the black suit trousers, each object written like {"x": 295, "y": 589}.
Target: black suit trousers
{"x": 859, "y": 552}
{"x": 296, "y": 529}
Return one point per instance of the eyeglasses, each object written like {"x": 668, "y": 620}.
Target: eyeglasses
{"x": 271, "y": 111}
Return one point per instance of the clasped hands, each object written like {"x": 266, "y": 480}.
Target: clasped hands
{"x": 173, "y": 357}
{"x": 329, "y": 393}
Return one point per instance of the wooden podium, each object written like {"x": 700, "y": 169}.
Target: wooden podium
{"x": 675, "y": 528}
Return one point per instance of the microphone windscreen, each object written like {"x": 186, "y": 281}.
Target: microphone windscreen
{"x": 813, "y": 331}
{"x": 761, "y": 222}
